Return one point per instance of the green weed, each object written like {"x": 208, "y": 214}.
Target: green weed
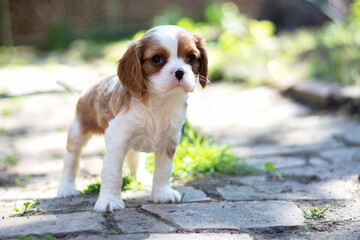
{"x": 270, "y": 167}
{"x": 8, "y": 160}
{"x": 195, "y": 156}
{"x": 29, "y": 207}
{"x": 22, "y": 183}
{"x": 316, "y": 213}
{"x": 46, "y": 236}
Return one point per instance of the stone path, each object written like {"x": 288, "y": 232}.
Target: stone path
{"x": 317, "y": 154}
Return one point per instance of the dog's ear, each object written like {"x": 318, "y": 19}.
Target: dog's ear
{"x": 129, "y": 71}
{"x": 203, "y": 70}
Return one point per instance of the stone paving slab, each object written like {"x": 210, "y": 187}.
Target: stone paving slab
{"x": 52, "y": 224}
{"x": 349, "y": 170}
{"x": 68, "y": 205}
{"x": 260, "y": 151}
{"x": 289, "y": 190}
{"x": 192, "y": 195}
{"x": 129, "y": 220}
{"x": 172, "y": 236}
{"x": 229, "y": 215}
{"x": 277, "y": 161}
{"x": 342, "y": 155}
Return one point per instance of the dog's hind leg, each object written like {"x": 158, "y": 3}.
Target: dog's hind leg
{"x": 136, "y": 163}
{"x": 76, "y": 140}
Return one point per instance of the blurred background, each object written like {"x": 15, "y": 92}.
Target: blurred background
{"x": 254, "y": 42}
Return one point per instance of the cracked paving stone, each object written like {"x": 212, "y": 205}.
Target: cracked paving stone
{"x": 129, "y": 220}
{"x": 51, "y": 224}
{"x": 330, "y": 189}
{"x": 229, "y": 215}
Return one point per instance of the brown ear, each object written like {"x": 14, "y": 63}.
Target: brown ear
{"x": 129, "y": 71}
{"x": 203, "y": 70}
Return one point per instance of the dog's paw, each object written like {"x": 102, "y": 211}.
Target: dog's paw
{"x": 165, "y": 195}
{"x": 109, "y": 202}
{"x": 67, "y": 190}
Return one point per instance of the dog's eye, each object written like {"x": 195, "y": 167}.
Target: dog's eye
{"x": 157, "y": 59}
{"x": 191, "y": 58}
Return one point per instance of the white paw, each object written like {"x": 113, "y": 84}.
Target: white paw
{"x": 67, "y": 190}
{"x": 165, "y": 195}
{"x": 109, "y": 202}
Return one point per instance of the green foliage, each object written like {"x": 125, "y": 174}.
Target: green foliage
{"x": 196, "y": 156}
{"x": 8, "y": 160}
{"x": 269, "y": 167}
{"x": 240, "y": 49}
{"x": 336, "y": 57}
{"x": 129, "y": 183}
{"x": 316, "y": 213}
{"x": 59, "y": 36}
{"x": 29, "y": 207}
{"x": 170, "y": 16}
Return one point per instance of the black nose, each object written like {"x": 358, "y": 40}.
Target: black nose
{"x": 179, "y": 73}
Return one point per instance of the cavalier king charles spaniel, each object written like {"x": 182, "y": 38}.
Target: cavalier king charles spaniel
{"x": 142, "y": 109}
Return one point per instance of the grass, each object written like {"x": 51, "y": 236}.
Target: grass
{"x": 28, "y": 207}
{"x": 129, "y": 183}
{"x": 196, "y": 156}
{"x": 45, "y": 236}
{"x": 8, "y": 160}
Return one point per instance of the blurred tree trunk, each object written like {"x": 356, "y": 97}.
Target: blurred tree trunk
{"x": 5, "y": 23}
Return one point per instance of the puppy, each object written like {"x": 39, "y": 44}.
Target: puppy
{"x": 142, "y": 109}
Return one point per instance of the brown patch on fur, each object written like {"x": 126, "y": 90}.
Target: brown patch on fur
{"x": 129, "y": 71}
{"x": 171, "y": 148}
{"x": 186, "y": 47}
{"x": 136, "y": 65}
{"x": 97, "y": 106}
{"x": 203, "y": 69}
{"x": 148, "y": 66}
{"x": 194, "y": 44}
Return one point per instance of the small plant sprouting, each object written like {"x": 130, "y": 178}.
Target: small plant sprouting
{"x": 22, "y": 183}
{"x": 46, "y": 236}
{"x": 270, "y": 167}
{"x": 29, "y": 207}
{"x": 316, "y": 213}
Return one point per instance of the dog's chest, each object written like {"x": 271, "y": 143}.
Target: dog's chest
{"x": 156, "y": 129}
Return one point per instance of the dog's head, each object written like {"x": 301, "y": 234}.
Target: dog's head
{"x": 165, "y": 58}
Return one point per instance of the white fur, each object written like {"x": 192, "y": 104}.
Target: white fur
{"x": 150, "y": 127}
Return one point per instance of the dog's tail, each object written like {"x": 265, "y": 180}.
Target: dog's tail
{"x": 70, "y": 87}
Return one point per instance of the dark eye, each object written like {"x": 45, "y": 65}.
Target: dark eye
{"x": 191, "y": 58}
{"x": 157, "y": 59}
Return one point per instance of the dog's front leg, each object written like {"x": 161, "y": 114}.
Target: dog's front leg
{"x": 111, "y": 175}
{"x": 161, "y": 190}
